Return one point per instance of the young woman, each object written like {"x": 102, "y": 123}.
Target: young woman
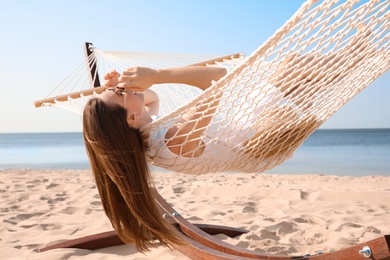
{"x": 117, "y": 147}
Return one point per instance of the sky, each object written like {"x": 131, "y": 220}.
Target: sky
{"x": 42, "y": 42}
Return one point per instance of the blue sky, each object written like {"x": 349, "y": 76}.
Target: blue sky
{"x": 42, "y": 42}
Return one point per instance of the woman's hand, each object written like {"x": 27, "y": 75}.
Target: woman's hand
{"x": 137, "y": 78}
{"x": 111, "y": 79}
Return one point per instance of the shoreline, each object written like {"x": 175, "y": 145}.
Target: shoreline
{"x": 286, "y": 214}
{"x": 280, "y": 170}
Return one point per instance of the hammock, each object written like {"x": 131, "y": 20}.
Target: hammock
{"x": 269, "y": 102}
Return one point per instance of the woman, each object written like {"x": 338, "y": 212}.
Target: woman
{"x": 116, "y": 148}
{"x": 116, "y": 145}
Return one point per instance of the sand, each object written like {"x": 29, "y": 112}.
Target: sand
{"x": 286, "y": 214}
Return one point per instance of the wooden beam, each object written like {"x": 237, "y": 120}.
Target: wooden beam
{"x": 65, "y": 97}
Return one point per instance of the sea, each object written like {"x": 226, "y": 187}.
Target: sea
{"x": 350, "y": 152}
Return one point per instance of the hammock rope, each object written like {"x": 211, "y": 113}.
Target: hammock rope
{"x": 269, "y": 102}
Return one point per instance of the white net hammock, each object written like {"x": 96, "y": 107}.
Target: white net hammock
{"x": 270, "y": 101}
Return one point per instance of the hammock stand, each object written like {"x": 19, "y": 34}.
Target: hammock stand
{"x": 200, "y": 242}
{"x": 202, "y": 245}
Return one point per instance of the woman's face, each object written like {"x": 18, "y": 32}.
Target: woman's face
{"x": 133, "y": 102}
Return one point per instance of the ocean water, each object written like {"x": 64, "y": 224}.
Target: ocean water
{"x": 354, "y": 152}
{"x": 43, "y": 151}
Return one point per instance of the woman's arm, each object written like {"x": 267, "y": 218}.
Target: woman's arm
{"x": 152, "y": 102}
{"x": 140, "y": 78}
{"x": 200, "y": 77}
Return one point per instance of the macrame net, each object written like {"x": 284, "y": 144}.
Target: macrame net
{"x": 269, "y": 102}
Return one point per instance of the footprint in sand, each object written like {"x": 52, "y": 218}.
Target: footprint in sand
{"x": 266, "y": 234}
{"x": 18, "y": 218}
{"x": 28, "y": 216}
{"x": 309, "y": 220}
{"x": 304, "y": 195}
{"x": 96, "y": 203}
{"x": 69, "y": 210}
{"x": 28, "y": 226}
{"x": 249, "y": 209}
{"x": 54, "y": 201}
{"x": 178, "y": 190}
{"x": 37, "y": 181}
{"x": 283, "y": 227}
{"x": 243, "y": 244}
{"x": 283, "y": 250}
{"x": 22, "y": 198}
{"x": 52, "y": 185}
{"x": 8, "y": 209}
{"x": 51, "y": 226}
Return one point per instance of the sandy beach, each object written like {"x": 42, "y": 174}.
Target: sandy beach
{"x": 285, "y": 214}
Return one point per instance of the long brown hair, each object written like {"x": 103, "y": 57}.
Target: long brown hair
{"x": 117, "y": 156}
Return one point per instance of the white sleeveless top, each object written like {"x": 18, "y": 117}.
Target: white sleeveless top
{"x": 221, "y": 146}
{"x": 159, "y": 154}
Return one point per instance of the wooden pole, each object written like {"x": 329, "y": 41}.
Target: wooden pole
{"x": 91, "y": 65}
